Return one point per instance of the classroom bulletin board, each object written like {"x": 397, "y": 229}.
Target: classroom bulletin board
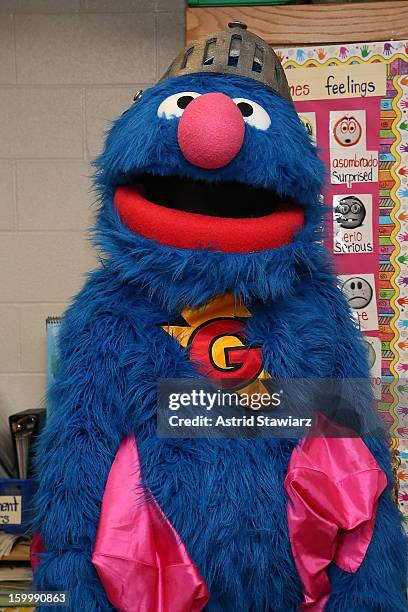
{"x": 355, "y": 107}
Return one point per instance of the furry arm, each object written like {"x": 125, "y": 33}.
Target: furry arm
{"x": 87, "y": 422}
{"x": 379, "y": 583}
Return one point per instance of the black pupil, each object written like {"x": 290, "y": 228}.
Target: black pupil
{"x": 245, "y": 108}
{"x": 184, "y": 101}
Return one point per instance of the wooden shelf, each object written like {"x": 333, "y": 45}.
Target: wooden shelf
{"x": 306, "y": 24}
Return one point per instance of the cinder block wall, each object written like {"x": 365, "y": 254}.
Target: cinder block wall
{"x": 67, "y": 67}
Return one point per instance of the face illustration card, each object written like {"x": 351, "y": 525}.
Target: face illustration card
{"x": 359, "y": 290}
{"x": 309, "y": 121}
{"x": 353, "y": 224}
{"x": 350, "y": 161}
{"x": 373, "y": 346}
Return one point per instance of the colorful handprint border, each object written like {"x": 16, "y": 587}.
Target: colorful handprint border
{"x": 399, "y": 280}
{"x": 303, "y": 57}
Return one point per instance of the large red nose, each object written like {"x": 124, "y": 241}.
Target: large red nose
{"x": 211, "y": 131}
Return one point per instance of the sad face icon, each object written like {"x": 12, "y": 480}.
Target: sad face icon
{"x": 358, "y": 292}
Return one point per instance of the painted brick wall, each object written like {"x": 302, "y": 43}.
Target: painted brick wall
{"x": 67, "y": 68}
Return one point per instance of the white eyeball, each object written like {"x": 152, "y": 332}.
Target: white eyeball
{"x": 174, "y": 105}
{"x": 253, "y": 113}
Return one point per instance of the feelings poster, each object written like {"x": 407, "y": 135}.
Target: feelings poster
{"x": 355, "y": 107}
{"x": 340, "y": 108}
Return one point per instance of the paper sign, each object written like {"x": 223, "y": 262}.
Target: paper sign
{"x": 353, "y": 224}
{"x": 373, "y": 346}
{"x": 309, "y": 121}
{"x": 334, "y": 82}
{"x": 350, "y": 162}
{"x": 10, "y": 509}
{"x": 359, "y": 290}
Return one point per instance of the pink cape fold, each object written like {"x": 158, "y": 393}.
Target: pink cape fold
{"x": 140, "y": 559}
{"x": 36, "y": 548}
{"x": 333, "y": 485}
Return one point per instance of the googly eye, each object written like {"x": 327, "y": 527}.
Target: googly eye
{"x": 345, "y": 208}
{"x": 174, "y": 105}
{"x": 355, "y": 208}
{"x": 253, "y": 113}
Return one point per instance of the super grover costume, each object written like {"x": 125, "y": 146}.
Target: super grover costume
{"x": 210, "y": 226}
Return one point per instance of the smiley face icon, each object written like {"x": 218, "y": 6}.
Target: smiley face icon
{"x": 350, "y": 212}
{"x": 347, "y": 131}
{"x": 358, "y": 292}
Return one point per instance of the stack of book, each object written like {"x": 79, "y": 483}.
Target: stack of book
{"x": 16, "y": 490}
{"x": 15, "y": 576}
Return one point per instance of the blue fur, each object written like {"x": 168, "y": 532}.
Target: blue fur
{"x": 224, "y": 497}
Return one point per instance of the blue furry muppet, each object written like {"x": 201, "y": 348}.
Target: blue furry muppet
{"x": 210, "y": 233}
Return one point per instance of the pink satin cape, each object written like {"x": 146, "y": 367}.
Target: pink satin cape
{"x": 36, "y": 548}
{"x": 140, "y": 559}
{"x": 333, "y": 485}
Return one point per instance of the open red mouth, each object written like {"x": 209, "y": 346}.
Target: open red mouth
{"x": 163, "y": 214}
